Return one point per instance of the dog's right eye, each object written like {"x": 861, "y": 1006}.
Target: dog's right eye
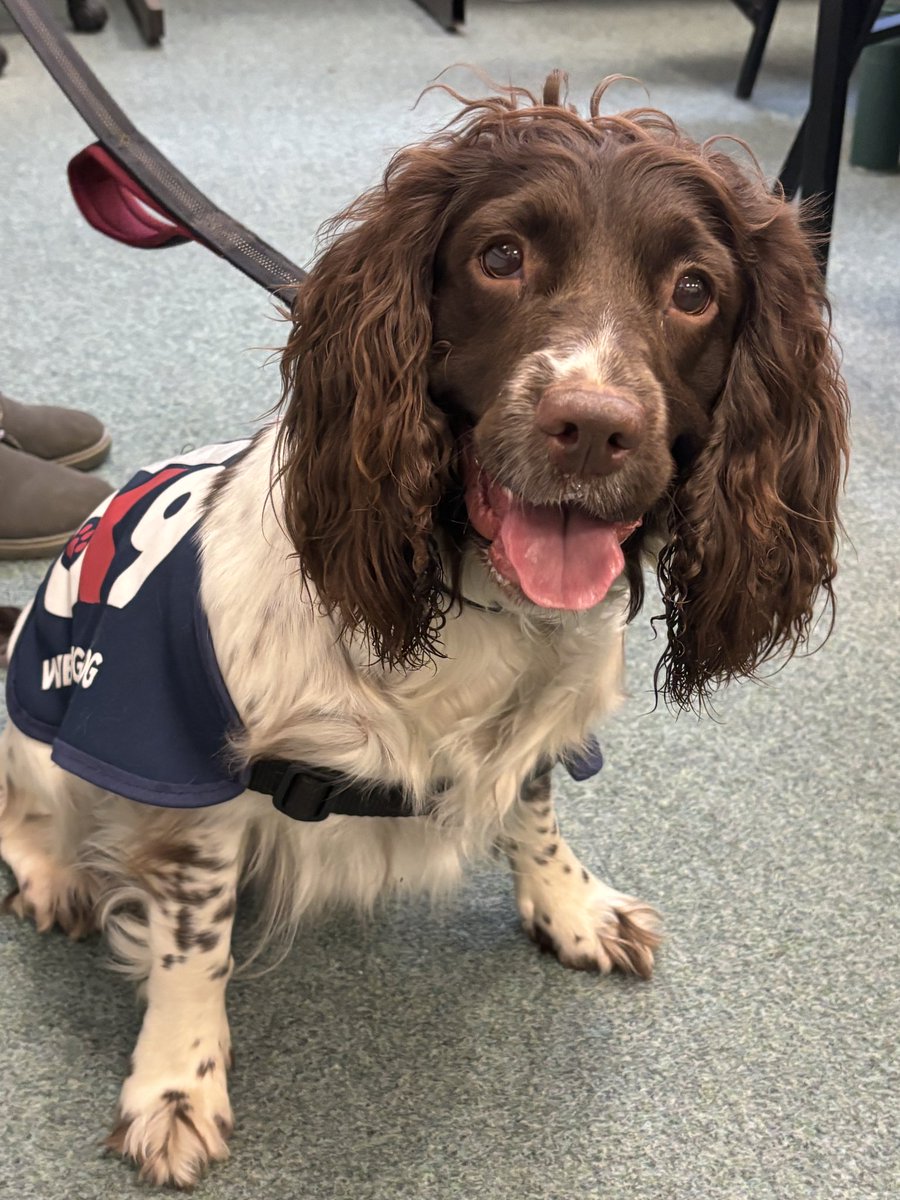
{"x": 692, "y": 294}
{"x": 502, "y": 260}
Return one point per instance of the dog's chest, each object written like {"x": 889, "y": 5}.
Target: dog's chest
{"x": 505, "y": 697}
{"x": 508, "y": 691}
{"x": 504, "y": 679}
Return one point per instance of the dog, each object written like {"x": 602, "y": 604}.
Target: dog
{"x": 547, "y": 351}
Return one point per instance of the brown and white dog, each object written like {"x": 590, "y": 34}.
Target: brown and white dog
{"x": 547, "y": 350}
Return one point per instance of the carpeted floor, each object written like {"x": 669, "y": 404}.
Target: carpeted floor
{"x": 436, "y": 1055}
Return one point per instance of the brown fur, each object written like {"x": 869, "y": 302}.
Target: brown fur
{"x": 753, "y": 524}
{"x": 397, "y": 352}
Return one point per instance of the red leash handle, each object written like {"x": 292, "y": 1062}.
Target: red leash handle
{"x": 117, "y": 206}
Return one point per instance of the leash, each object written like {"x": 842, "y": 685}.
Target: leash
{"x": 126, "y": 188}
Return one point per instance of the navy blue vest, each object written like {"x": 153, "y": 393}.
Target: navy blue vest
{"x": 114, "y": 666}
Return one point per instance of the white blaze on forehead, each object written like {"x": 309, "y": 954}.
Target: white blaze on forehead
{"x": 588, "y": 361}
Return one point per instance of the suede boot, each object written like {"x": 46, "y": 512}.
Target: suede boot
{"x": 41, "y": 503}
{"x": 61, "y": 435}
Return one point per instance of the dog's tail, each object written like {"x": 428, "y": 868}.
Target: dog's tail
{"x": 8, "y": 618}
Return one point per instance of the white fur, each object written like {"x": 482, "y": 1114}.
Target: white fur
{"x": 589, "y": 361}
{"x": 515, "y": 686}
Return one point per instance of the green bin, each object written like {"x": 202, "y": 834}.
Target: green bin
{"x": 876, "y": 132}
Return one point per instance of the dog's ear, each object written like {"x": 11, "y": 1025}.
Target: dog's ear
{"x": 364, "y": 455}
{"x": 753, "y": 526}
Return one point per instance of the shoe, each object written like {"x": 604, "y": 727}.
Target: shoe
{"x": 42, "y": 504}
{"x": 61, "y": 435}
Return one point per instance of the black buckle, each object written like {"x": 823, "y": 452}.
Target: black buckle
{"x": 305, "y": 792}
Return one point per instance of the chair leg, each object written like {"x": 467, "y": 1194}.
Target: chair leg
{"x": 449, "y": 13}
{"x": 793, "y": 164}
{"x": 4, "y": 59}
{"x": 843, "y": 28}
{"x": 811, "y": 166}
{"x": 88, "y": 16}
{"x": 149, "y": 18}
{"x": 762, "y": 24}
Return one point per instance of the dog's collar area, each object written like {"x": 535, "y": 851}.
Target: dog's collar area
{"x": 305, "y": 792}
{"x": 485, "y": 608}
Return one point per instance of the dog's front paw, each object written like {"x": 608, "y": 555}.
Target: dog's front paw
{"x": 173, "y": 1133}
{"x": 586, "y": 924}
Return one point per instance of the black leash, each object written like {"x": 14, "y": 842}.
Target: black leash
{"x": 193, "y": 214}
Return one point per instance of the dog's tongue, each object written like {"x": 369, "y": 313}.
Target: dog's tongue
{"x": 560, "y": 558}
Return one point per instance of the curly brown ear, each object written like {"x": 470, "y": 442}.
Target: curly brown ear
{"x": 363, "y": 452}
{"x": 754, "y": 524}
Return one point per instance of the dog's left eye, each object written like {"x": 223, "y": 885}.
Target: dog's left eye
{"x": 503, "y": 260}
{"x": 692, "y": 294}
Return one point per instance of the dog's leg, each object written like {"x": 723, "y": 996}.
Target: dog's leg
{"x": 42, "y": 828}
{"x": 564, "y": 908}
{"x": 174, "y": 1111}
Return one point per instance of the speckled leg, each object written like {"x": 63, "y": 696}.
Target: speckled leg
{"x": 175, "y": 1115}
{"x": 566, "y": 909}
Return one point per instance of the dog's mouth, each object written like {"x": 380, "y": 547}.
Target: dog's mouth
{"x": 560, "y": 556}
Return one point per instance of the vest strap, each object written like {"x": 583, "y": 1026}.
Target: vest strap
{"x": 306, "y": 792}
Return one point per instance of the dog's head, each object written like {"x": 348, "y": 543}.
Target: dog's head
{"x": 604, "y": 338}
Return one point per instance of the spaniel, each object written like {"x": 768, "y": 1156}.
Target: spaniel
{"x": 546, "y": 351}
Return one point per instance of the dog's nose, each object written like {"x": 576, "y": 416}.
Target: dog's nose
{"x": 589, "y": 432}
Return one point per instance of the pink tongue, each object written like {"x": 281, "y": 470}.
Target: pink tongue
{"x": 560, "y": 559}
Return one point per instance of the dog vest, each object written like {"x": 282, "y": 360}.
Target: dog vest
{"x": 114, "y": 667}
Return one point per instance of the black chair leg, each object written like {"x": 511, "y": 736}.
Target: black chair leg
{"x": 793, "y": 164}
{"x": 762, "y": 24}
{"x": 449, "y": 13}
{"x": 811, "y": 167}
{"x": 149, "y": 18}
{"x": 88, "y": 16}
{"x": 4, "y": 59}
